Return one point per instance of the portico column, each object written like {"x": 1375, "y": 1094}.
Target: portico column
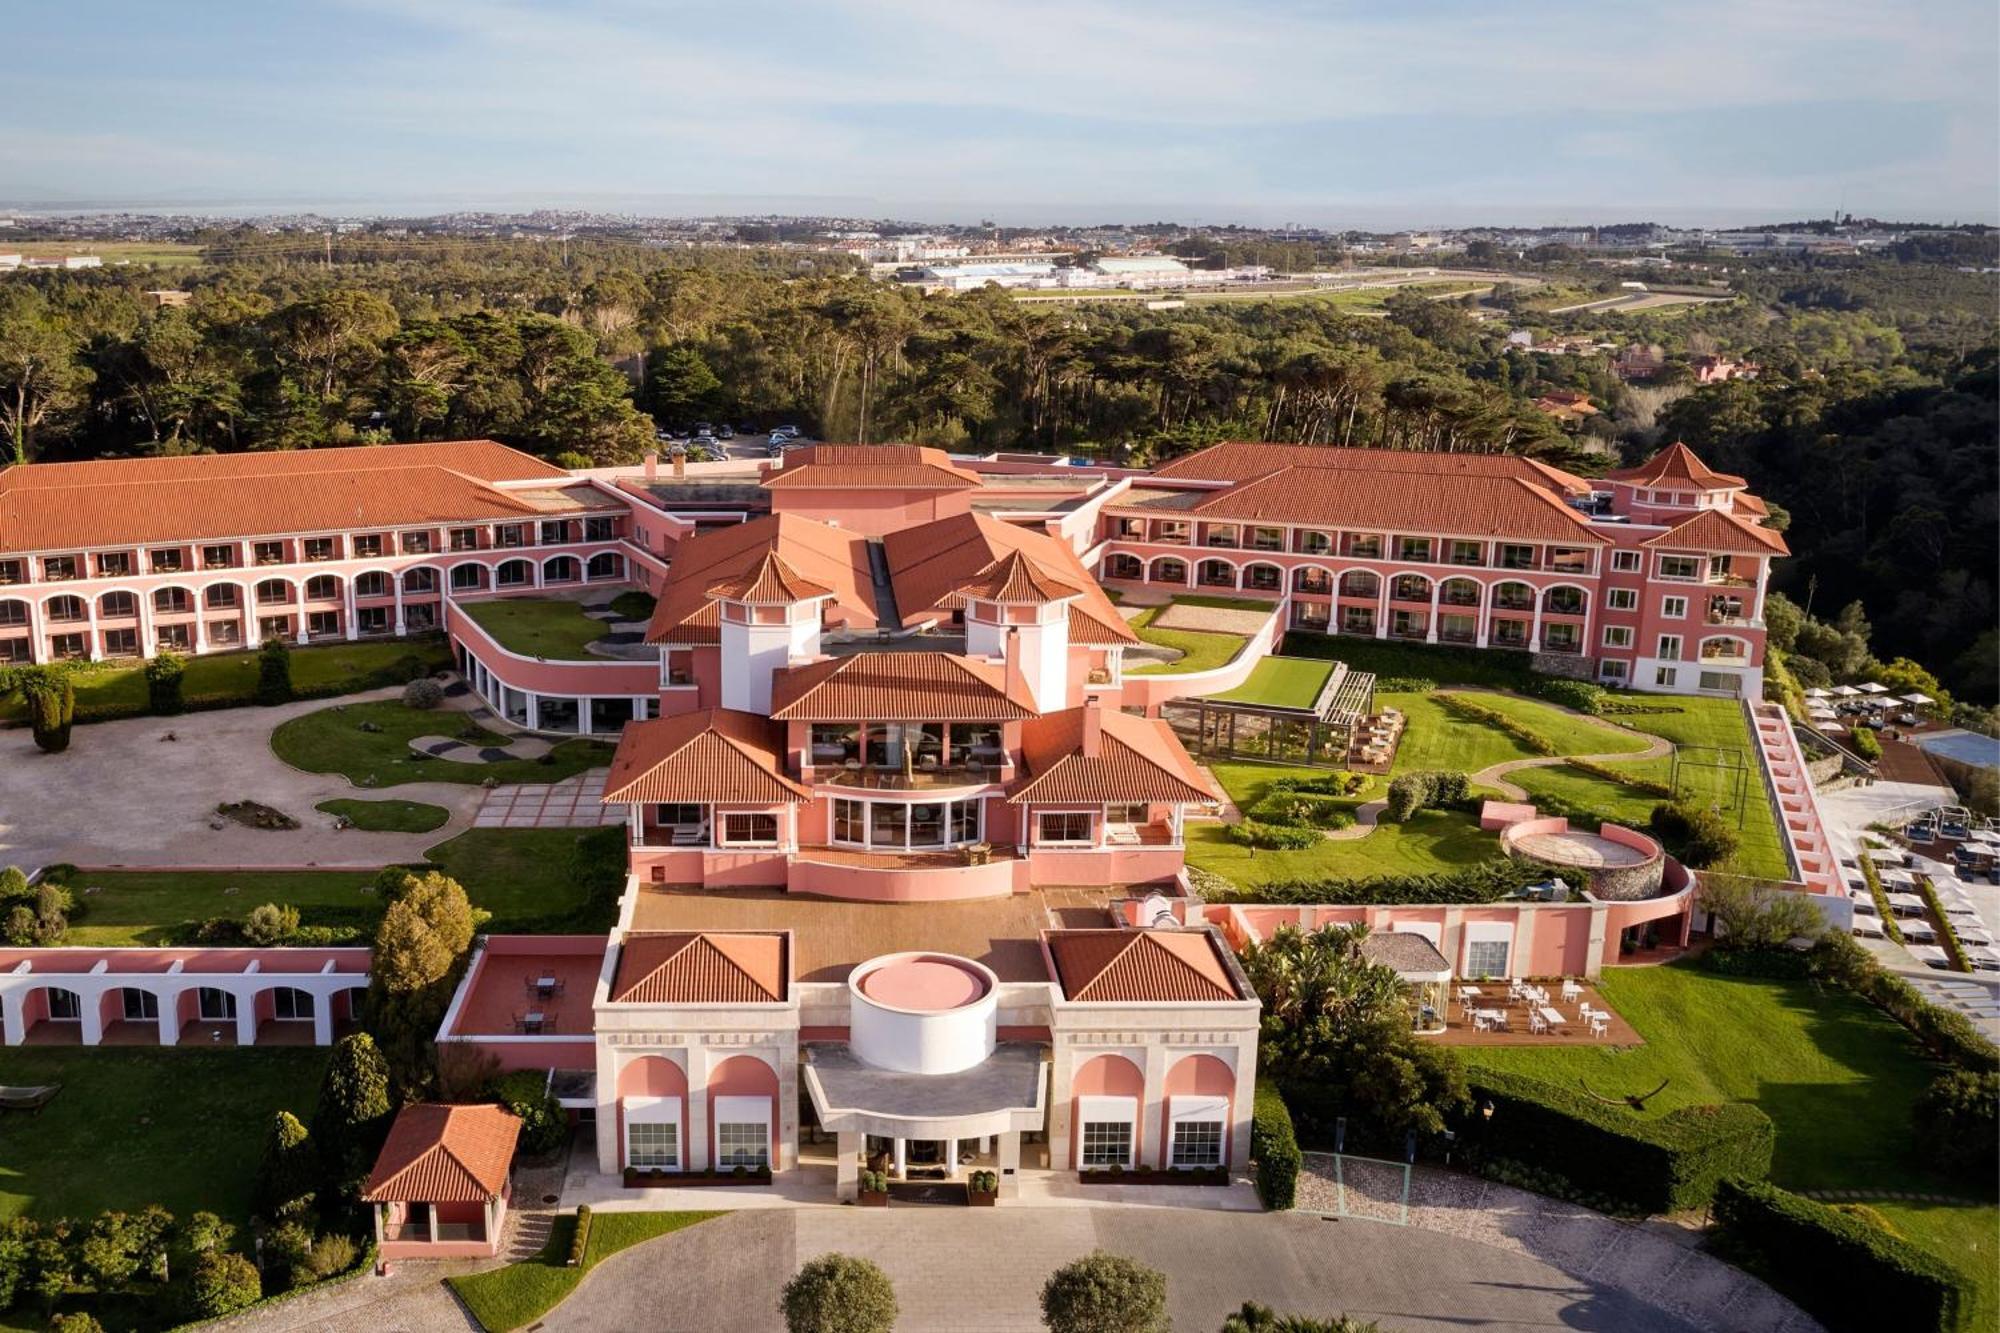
{"x": 1431, "y": 626}
{"x": 699, "y": 1158}
{"x": 350, "y": 630}
{"x": 144, "y": 602}
{"x": 900, "y": 1158}
{"x": 299, "y": 595}
{"x": 1382, "y": 607}
{"x": 200, "y": 626}
{"x": 1010, "y": 1164}
{"x": 322, "y": 1020}
{"x": 170, "y": 1020}
{"x": 608, "y": 1138}
{"x": 94, "y": 650}
{"x": 1485, "y": 615}
{"x": 90, "y": 1012}
{"x": 1535, "y": 633}
{"x": 13, "y": 1017}
{"x": 246, "y": 1019}
{"x": 1152, "y": 1146}
{"x": 431, "y": 1215}
{"x": 38, "y": 639}
{"x": 847, "y": 1164}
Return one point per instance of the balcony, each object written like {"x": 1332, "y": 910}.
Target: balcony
{"x": 1562, "y": 647}
{"x": 860, "y": 777}
{"x": 1725, "y": 657}
{"x": 1724, "y": 579}
{"x": 1226, "y": 541}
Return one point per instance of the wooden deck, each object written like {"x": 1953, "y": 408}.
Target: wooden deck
{"x": 1572, "y": 1032}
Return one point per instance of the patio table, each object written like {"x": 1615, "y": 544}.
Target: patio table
{"x": 1552, "y": 1016}
{"x": 1489, "y": 1018}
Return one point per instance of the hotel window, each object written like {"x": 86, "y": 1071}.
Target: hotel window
{"x": 179, "y": 638}
{"x": 13, "y": 652}
{"x": 1673, "y": 608}
{"x": 166, "y": 561}
{"x": 1670, "y": 648}
{"x": 1267, "y": 539}
{"x": 171, "y": 601}
{"x": 1486, "y": 958}
{"x": 323, "y": 624}
{"x": 268, "y": 553}
{"x": 274, "y": 627}
{"x": 220, "y": 597}
{"x": 1315, "y": 543}
{"x": 1515, "y": 556}
{"x": 59, "y": 610}
{"x": 1413, "y": 548}
{"x": 1721, "y": 682}
{"x": 465, "y": 539}
{"x": 1663, "y": 677}
{"x": 555, "y": 533}
{"x": 121, "y": 643}
{"x": 1219, "y": 534}
{"x": 1679, "y": 567}
{"x": 738, "y": 1144}
{"x": 273, "y": 590}
{"x": 56, "y": 567}
{"x": 67, "y": 645}
{"x": 291, "y": 1003}
{"x": 1198, "y": 1142}
{"x": 1569, "y": 560}
{"x": 1468, "y": 553}
{"x": 965, "y": 820}
{"x": 1621, "y": 599}
{"x": 321, "y": 548}
{"x": 750, "y": 830}
{"x": 599, "y": 529}
{"x": 1170, "y": 530}
{"x": 374, "y": 583}
{"x": 222, "y": 632}
{"x": 322, "y": 588}
{"x": 1613, "y": 671}
{"x": 369, "y": 545}
{"x": 372, "y": 620}
{"x": 420, "y": 580}
{"x": 415, "y": 543}
{"x": 11, "y": 571}
{"x": 213, "y": 1003}
{"x": 114, "y": 565}
{"x": 1625, "y": 562}
{"x": 1365, "y": 547}
{"x": 64, "y": 1005}
{"x": 117, "y": 606}
{"x": 15, "y": 614}
{"x": 509, "y": 534}
{"x": 1617, "y": 636}
{"x": 651, "y": 1145}
{"x": 850, "y": 821}
{"x": 1106, "y": 1143}
{"x": 465, "y": 578}
{"x": 1066, "y": 826}
{"x": 218, "y": 557}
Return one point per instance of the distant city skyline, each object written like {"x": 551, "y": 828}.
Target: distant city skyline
{"x": 1381, "y": 117}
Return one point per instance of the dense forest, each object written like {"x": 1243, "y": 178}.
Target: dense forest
{"x": 1872, "y": 425}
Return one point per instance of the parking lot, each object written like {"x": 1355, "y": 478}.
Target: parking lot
{"x": 745, "y": 445}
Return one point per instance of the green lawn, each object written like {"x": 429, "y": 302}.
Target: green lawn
{"x": 388, "y": 816}
{"x": 507, "y": 1298}
{"x": 552, "y": 627}
{"x": 521, "y": 876}
{"x": 1835, "y": 1076}
{"x": 1200, "y": 650}
{"x": 1432, "y": 841}
{"x": 1436, "y": 739}
{"x": 322, "y": 669}
{"x": 1282, "y": 682}
{"x": 332, "y": 741}
{"x": 182, "y": 1126}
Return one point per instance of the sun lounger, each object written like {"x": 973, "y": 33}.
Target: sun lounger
{"x": 29, "y": 1098}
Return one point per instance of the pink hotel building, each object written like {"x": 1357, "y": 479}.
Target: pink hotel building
{"x": 905, "y": 841}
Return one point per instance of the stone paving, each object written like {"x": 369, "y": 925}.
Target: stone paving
{"x": 572, "y": 803}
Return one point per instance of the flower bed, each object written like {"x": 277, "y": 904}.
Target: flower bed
{"x": 1198, "y": 1175}
{"x": 640, "y": 1180}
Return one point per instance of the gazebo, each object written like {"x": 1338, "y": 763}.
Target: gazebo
{"x": 1419, "y": 965}
{"x": 440, "y": 1184}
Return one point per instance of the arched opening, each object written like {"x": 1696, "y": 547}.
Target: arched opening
{"x": 1564, "y": 600}
{"x": 605, "y": 567}
{"x": 129, "y": 1016}
{"x": 1410, "y": 588}
{"x": 371, "y": 584}
{"x": 468, "y": 577}
{"x": 562, "y": 569}
{"x": 1458, "y": 592}
{"x": 63, "y": 610}
{"x": 1360, "y": 583}
{"x": 514, "y": 574}
{"x": 743, "y": 1114}
{"x": 1105, "y": 1095}
{"x": 1312, "y": 581}
{"x": 323, "y": 588}
{"x": 1199, "y": 1110}
{"x": 114, "y": 606}
{"x": 273, "y": 592}
{"x": 652, "y": 1115}
{"x": 1168, "y": 569}
{"x": 1513, "y": 595}
{"x": 1124, "y": 565}
{"x": 1215, "y": 574}
{"x": 1264, "y": 578}
{"x": 57, "y": 1006}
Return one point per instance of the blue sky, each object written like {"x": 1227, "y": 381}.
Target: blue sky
{"x": 1413, "y": 113}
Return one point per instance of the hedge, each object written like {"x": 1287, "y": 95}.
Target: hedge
{"x": 1948, "y": 933}
{"x": 1461, "y": 707}
{"x": 1487, "y": 882}
{"x": 1549, "y": 1139}
{"x": 1426, "y": 789}
{"x": 1274, "y": 1148}
{"x": 1880, "y": 897}
{"x": 1864, "y": 742}
{"x": 1292, "y": 806}
{"x": 1273, "y": 837}
{"x": 1624, "y": 778}
{"x": 1844, "y": 1271}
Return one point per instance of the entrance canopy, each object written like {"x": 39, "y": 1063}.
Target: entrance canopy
{"x": 1006, "y": 1092}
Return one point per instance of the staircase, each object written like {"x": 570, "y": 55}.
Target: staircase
{"x": 1793, "y": 801}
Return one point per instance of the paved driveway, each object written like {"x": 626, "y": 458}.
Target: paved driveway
{"x": 123, "y": 795}
{"x": 974, "y": 1269}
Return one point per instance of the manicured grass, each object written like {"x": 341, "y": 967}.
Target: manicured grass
{"x": 332, "y": 741}
{"x": 1435, "y": 739}
{"x": 1282, "y": 682}
{"x": 1433, "y": 841}
{"x": 182, "y": 1127}
{"x": 389, "y": 816}
{"x": 551, "y": 627}
{"x": 522, "y": 876}
{"x": 321, "y": 669}
{"x": 1223, "y": 603}
{"x": 1201, "y": 650}
{"x": 1835, "y": 1076}
{"x": 507, "y": 1298}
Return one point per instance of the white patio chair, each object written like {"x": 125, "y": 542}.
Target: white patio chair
{"x": 1600, "y": 1023}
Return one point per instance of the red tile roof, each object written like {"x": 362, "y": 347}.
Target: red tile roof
{"x": 202, "y": 497}
{"x": 1713, "y": 530}
{"x": 818, "y": 552}
{"x": 716, "y": 754}
{"x": 1016, "y": 578}
{"x": 714, "y": 968}
{"x": 1677, "y": 464}
{"x": 1468, "y": 506}
{"x": 769, "y": 580}
{"x": 898, "y": 467}
{"x": 444, "y": 1154}
{"x": 930, "y": 564}
{"x": 1139, "y": 966}
{"x": 1137, "y": 759}
{"x": 912, "y": 686}
{"x": 1241, "y": 460}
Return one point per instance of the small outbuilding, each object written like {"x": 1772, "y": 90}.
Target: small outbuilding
{"x": 440, "y": 1184}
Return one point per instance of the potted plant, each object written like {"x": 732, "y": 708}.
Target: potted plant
{"x": 874, "y": 1192}
{"x": 982, "y": 1189}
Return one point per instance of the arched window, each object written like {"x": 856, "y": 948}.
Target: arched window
{"x": 420, "y": 580}
{"x": 1264, "y": 578}
{"x": 322, "y": 588}
{"x": 1124, "y": 565}
{"x": 1459, "y": 592}
{"x": 1168, "y": 569}
{"x": 606, "y": 565}
{"x": 514, "y": 574}
{"x": 1314, "y": 582}
{"x": 1410, "y": 588}
{"x": 15, "y": 613}
{"x": 117, "y": 606}
{"x": 65, "y": 608}
{"x": 374, "y": 583}
{"x": 1360, "y": 583}
{"x": 562, "y": 569}
{"x": 1215, "y": 574}
{"x": 1563, "y": 601}
{"x": 273, "y": 592}
{"x": 220, "y": 597}
{"x": 468, "y": 578}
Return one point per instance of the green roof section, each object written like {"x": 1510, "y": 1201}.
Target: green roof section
{"x": 1281, "y": 682}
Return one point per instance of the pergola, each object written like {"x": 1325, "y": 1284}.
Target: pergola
{"x": 1320, "y": 736}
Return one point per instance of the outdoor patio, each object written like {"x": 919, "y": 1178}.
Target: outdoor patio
{"x": 1517, "y": 1024}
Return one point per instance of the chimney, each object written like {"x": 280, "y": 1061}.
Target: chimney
{"x": 1017, "y": 679}
{"x": 652, "y": 465}
{"x": 680, "y": 464}
{"x": 1093, "y": 728}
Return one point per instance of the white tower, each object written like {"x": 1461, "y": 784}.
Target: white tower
{"x": 770, "y": 617}
{"x": 1018, "y": 610}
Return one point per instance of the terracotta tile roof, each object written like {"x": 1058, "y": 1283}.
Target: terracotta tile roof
{"x": 769, "y": 580}
{"x": 202, "y": 497}
{"x": 820, "y": 553}
{"x": 1016, "y": 578}
{"x": 1139, "y": 966}
{"x": 444, "y": 1154}
{"x": 1751, "y": 505}
{"x": 712, "y": 968}
{"x": 899, "y": 467}
{"x": 915, "y": 687}
{"x": 1676, "y": 463}
{"x": 1713, "y": 530}
{"x": 713, "y": 755}
{"x": 1464, "y": 505}
{"x": 1241, "y": 460}
{"x": 1138, "y": 759}
{"x": 931, "y": 563}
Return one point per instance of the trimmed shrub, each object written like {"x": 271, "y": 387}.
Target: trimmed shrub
{"x": 163, "y": 683}
{"x": 1303, "y": 808}
{"x": 1623, "y": 777}
{"x": 1432, "y": 788}
{"x": 579, "y": 1236}
{"x": 274, "y": 673}
{"x": 1957, "y": 1120}
{"x": 219, "y": 1283}
{"x": 1460, "y": 706}
{"x": 1580, "y": 695}
{"x": 1698, "y": 836}
{"x": 1105, "y": 1293}
{"x": 423, "y": 693}
{"x": 1555, "y": 1141}
{"x": 1486, "y": 882}
{"x": 1339, "y": 782}
{"x": 1274, "y": 1148}
{"x": 51, "y": 698}
{"x": 1273, "y": 837}
{"x": 838, "y": 1293}
{"x": 1255, "y": 1318}
{"x": 331, "y": 1255}
{"x": 544, "y": 1123}
{"x": 1844, "y": 1271}
{"x": 271, "y": 923}
{"x": 1864, "y": 742}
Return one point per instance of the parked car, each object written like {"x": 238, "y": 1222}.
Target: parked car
{"x": 789, "y": 432}
{"x": 774, "y": 450}
{"x": 725, "y": 432}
